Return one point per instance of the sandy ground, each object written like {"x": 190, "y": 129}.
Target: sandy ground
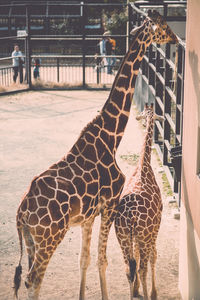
{"x": 37, "y": 129}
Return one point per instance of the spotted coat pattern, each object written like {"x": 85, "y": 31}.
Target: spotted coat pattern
{"x": 86, "y": 182}
{"x": 139, "y": 216}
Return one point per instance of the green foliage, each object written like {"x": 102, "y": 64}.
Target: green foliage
{"x": 166, "y": 186}
{"x": 131, "y": 159}
{"x": 116, "y": 23}
{"x": 65, "y": 26}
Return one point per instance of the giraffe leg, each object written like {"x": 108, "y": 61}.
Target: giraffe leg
{"x": 43, "y": 252}
{"x": 85, "y": 255}
{"x": 137, "y": 280}
{"x": 153, "y": 257}
{"x": 30, "y": 247}
{"x": 144, "y": 258}
{"x": 36, "y": 273}
{"x": 102, "y": 259}
{"x": 126, "y": 244}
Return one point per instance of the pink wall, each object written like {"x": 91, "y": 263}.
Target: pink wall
{"x": 191, "y": 120}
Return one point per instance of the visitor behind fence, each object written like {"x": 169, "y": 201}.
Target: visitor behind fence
{"x": 36, "y": 70}
{"x": 113, "y": 60}
{"x": 110, "y": 51}
{"x": 18, "y": 61}
{"x": 101, "y": 50}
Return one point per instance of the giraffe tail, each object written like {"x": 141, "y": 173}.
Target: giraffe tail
{"x": 18, "y": 270}
{"x": 132, "y": 267}
{"x": 132, "y": 261}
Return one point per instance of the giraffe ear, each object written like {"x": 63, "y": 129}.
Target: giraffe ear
{"x": 134, "y": 31}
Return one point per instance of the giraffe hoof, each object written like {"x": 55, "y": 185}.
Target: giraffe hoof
{"x": 135, "y": 293}
{"x": 154, "y": 295}
{"x": 27, "y": 285}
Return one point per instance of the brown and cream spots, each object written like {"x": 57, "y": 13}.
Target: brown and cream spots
{"x": 139, "y": 215}
{"x": 86, "y": 182}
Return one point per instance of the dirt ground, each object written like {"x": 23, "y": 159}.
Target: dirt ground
{"x": 37, "y": 129}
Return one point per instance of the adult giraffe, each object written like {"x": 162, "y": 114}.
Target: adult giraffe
{"x": 87, "y": 181}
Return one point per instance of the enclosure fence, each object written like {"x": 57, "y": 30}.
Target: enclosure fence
{"x": 161, "y": 79}
{"x": 161, "y": 76}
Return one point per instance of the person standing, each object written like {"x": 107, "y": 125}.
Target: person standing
{"x": 18, "y": 61}
{"x": 113, "y": 42}
{"x": 36, "y": 70}
{"x": 108, "y": 46}
{"x": 101, "y": 52}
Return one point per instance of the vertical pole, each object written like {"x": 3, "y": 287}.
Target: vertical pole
{"x": 58, "y": 70}
{"x": 98, "y": 67}
{"x": 167, "y": 104}
{"x": 28, "y": 47}
{"x": 127, "y": 26}
{"x": 165, "y": 11}
{"x": 83, "y": 42}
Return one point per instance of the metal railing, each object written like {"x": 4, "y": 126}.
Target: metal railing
{"x": 64, "y": 70}
{"x": 161, "y": 80}
{"x": 155, "y": 81}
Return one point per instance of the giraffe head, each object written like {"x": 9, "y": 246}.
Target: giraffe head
{"x": 148, "y": 114}
{"x": 157, "y": 29}
{"x": 161, "y": 32}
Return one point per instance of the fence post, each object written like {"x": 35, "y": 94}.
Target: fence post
{"x": 58, "y": 70}
{"x": 167, "y": 105}
{"x": 83, "y": 42}
{"x": 28, "y": 48}
{"x": 98, "y": 71}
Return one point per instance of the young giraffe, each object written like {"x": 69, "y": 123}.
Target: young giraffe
{"x": 87, "y": 181}
{"x": 139, "y": 215}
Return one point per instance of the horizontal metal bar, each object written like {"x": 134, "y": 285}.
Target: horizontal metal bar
{"x": 169, "y": 176}
{"x": 141, "y": 3}
{"x": 160, "y": 77}
{"x": 180, "y": 76}
{"x": 152, "y": 67}
{"x": 10, "y": 38}
{"x": 144, "y": 77}
{"x": 152, "y": 89}
{"x": 160, "y": 129}
{"x": 159, "y": 101}
{"x": 145, "y": 57}
{"x": 158, "y": 49}
{"x": 41, "y": 16}
{"x": 138, "y": 10}
{"x": 171, "y": 93}
{"x": 170, "y": 63}
{"x": 179, "y": 107}
{"x": 47, "y": 3}
{"x": 167, "y": 144}
{"x": 178, "y": 137}
{"x": 170, "y": 121}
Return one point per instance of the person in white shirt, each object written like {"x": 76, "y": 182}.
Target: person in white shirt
{"x": 101, "y": 52}
{"x": 18, "y": 61}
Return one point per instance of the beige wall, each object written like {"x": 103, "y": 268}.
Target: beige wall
{"x": 189, "y": 275}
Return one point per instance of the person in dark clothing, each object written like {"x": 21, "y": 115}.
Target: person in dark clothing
{"x": 109, "y": 52}
{"x": 36, "y": 70}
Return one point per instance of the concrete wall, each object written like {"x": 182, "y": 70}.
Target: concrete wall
{"x": 189, "y": 264}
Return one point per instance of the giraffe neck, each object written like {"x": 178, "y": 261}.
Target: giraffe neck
{"x": 145, "y": 158}
{"x": 116, "y": 110}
